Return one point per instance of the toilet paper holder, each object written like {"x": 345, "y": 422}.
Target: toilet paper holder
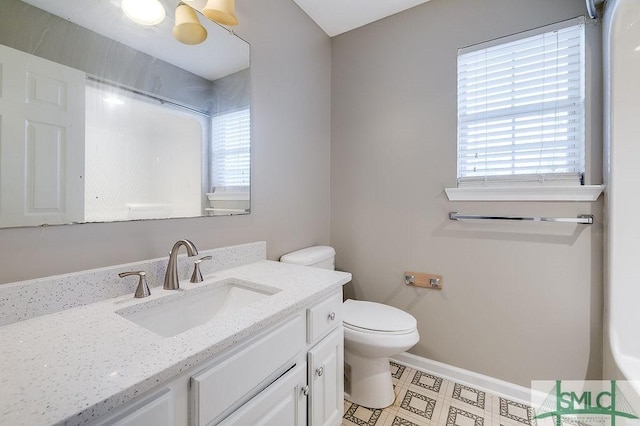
{"x": 425, "y": 280}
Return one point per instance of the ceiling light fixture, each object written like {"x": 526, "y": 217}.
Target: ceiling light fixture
{"x": 221, "y": 11}
{"x": 144, "y": 12}
{"x": 189, "y": 30}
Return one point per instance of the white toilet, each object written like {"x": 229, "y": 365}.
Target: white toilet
{"x": 372, "y": 333}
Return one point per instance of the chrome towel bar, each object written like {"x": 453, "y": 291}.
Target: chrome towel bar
{"x": 585, "y": 219}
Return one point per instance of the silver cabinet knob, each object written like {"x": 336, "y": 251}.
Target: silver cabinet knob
{"x": 305, "y": 391}
{"x": 332, "y": 316}
{"x": 320, "y": 371}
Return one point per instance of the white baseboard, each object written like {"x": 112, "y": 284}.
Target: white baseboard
{"x": 492, "y": 385}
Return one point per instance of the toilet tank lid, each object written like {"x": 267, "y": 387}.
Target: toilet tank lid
{"x": 377, "y": 317}
{"x": 309, "y": 255}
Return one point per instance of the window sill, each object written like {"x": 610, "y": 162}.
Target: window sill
{"x": 549, "y": 193}
{"x": 228, "y": 196}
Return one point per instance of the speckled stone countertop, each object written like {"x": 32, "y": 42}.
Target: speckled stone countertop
{"x": 73, "y": 366}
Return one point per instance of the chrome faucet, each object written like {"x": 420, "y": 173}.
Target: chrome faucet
{"x": 171, "y": 281}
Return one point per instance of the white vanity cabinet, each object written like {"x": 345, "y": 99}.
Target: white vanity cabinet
{"x": 326, "y": 362}
{"x": 314, "y": 397}
{"x": 217, "y": 389}
{"x": 288, "y": 375}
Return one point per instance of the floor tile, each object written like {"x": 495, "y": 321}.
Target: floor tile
{"x": 424, "y": 399}
{"x": 515, "y": 411}
{"x": 459, "y": 417}
{"x": 397, "y": 369}
{"x": 418, "y": 404}
{"x": 469, "y": 395}
{"x": 362, "y": 416}
{"x": 427, "y": 381}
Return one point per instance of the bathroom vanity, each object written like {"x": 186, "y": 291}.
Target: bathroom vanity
{"x": 272, "y": 353}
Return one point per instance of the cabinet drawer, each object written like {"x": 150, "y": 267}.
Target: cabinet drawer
{"x": 157, "y": 410}
{"x": 324, "y": 317}
{"x": 217, "y": 389}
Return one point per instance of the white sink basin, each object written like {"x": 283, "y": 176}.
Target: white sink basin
{"x": 195, "y": 307}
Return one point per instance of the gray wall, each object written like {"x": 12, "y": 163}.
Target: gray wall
{"x": 232, "y": 92}
{"x": 290, "y": 97}
{"x": 520, "y": 301}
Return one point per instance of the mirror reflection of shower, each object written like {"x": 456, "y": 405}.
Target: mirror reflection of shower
{"x": 134, "y": 168}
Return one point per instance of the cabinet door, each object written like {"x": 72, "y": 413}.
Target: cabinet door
{"x": 326, "y": 380}
{"x": 282, "y": 403}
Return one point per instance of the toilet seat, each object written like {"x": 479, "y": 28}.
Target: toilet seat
{"x": 375, "y": 332}
{"x": 376, "y": 318}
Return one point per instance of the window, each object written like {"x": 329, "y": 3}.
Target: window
{"x": 231, "y": 136}
{"x": 521, "y": 108}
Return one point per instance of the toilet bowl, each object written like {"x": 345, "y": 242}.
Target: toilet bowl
{"x": 373, "y": 332}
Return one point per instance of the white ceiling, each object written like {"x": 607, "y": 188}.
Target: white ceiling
{"x": 105, "y": 17}
{"x": 339, "y": 16}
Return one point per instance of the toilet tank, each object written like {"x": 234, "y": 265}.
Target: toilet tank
{"x": 317, "y": 256}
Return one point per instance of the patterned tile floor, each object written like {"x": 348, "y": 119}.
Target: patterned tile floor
{"x": 424, "y": 399}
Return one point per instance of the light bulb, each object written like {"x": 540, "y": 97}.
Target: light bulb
{"x": 144, "y": 12}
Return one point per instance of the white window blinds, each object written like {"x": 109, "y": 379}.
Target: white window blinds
{"x": 231, "y": 136}
{"x": 521, "y": 109}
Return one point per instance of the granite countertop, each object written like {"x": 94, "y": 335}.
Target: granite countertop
{"x": 74, "y": 366}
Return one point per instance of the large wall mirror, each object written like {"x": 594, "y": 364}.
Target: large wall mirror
{"x": 103, "y": 119}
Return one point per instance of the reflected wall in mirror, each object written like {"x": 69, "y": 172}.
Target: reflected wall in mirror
{"x": 103, "y": 119}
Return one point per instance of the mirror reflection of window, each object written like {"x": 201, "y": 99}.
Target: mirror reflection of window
{"x": 231, "y": 162}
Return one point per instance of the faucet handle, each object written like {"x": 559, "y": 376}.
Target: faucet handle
{"x": 143, "y": 287}
{"x": 196, "y": 277}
